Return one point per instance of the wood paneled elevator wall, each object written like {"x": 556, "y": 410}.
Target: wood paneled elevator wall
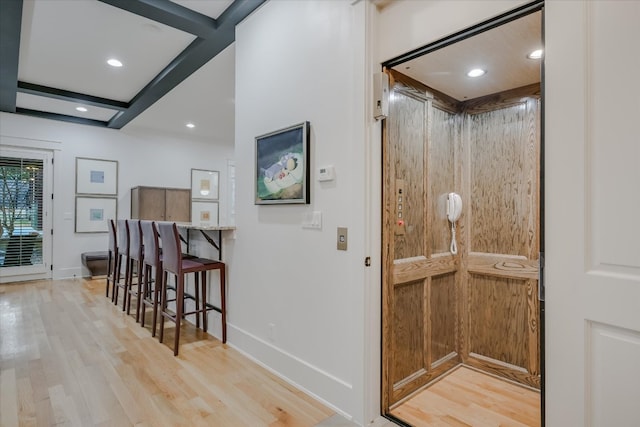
{"x": 479, "y": 307}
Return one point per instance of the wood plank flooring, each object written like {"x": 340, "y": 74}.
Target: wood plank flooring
{"x": 466, "y": 398}
{"x": 69, "y": 357}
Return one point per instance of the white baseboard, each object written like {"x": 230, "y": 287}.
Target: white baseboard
{"x": 22, "y": 278}
{"x": 381, "y": 421}
{"x": 68, "y": 273}
{"x": 321, "y": 385}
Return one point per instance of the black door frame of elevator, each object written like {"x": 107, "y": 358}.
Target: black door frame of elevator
{"x": 519, "y": 12}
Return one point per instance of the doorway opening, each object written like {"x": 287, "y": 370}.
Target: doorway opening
{"x": 462, "y": 227}
{"x": 25, "y": 179}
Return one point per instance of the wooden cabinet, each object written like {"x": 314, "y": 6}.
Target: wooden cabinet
{"x": 161, "y": 204}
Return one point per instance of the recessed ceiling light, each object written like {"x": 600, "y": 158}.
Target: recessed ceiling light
{"x": 536, "y": 54}
{"x": 476, "y": 72}
{"x": 114, "y": 62}
{"x": 190, "y": 125}
{"x": 81, "y": 109}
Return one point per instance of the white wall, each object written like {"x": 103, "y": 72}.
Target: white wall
{"x": 143, "y": 158}
{"x": 398, "y": 28}
{"x": 299, "y": 61}
{"x": 409, "y": 24}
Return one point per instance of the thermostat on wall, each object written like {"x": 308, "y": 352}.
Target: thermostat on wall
{"x": 326, "y": 173}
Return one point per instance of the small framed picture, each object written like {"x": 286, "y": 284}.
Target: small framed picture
{"x": 204, "y": 214}
{"x": 204, "y": 184}
{"x": 96, "y": 176}
{"x": 93, "y": 213}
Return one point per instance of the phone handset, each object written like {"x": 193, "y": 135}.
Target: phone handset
{"x": 454, "y": 209}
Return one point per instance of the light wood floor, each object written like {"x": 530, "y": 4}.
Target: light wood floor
{"x": 69, "y": 357}
{"x": 466, "y": 397}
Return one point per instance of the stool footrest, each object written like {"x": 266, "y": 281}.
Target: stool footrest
{"x": 209, "y": 306}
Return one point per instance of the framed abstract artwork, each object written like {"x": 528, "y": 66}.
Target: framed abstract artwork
{"x": 93, "y": 213}
{"x": 204, "y": 214}
{"x": 282, "y": 166}
{"x": 96, "y": 176}
{"x": 205, "y": 184}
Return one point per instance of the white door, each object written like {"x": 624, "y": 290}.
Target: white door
{"x": 25, "y": 214}
{"x": 592, "y": 213}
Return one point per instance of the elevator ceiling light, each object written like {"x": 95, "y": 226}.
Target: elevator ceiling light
{"x": 536, "y": 54}
{"x": 190, "y": 125}
{"x": 476, "y": 72}
{"x": 114, "y": 62}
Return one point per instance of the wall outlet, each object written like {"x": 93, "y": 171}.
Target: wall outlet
{"x": 271, "y": 332}
{"x": 342, "y": 238}
{"x": 312, "y": 220}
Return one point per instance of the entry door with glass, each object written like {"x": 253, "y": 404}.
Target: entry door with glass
{"x": 25, "y": 196}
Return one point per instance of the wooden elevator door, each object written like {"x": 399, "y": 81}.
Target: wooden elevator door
{"x": 420, "y": 315}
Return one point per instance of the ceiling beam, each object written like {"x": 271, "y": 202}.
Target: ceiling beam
{"x": 59, "y": 117}
{"x": 10, "y": 23}
{"x": 198, "y": 53}
{"x": 169, "y": 13}
{"x": 65, "y": 95}
{"x": 235, "y": 13}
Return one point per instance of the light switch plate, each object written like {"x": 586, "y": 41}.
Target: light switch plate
{"x": 312, "y": 220}
{"x": 342, "y": 238}
{"x": 326, "y": 173}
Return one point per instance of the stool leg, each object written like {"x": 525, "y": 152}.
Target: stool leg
{"x": 180, "y": 297}
{"x": 145, "y": 291}
{"x": 223, "y": 305}
{"x": 114, "y": 264}
{"x": 108, "y": 274}
{"x": 130, "y": 286}
{"x": 116, "y": 279}
{"x": 140, "y": 296}
{"x": 156, "y": 296}
{"x": 163, "y": 303}
{"x": 197, "y": 298}
{"x": 204, "y": 301}
{"x": 127, "y": 282}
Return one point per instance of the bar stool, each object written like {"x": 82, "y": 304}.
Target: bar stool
{"x": 173, "y": 263}
{"x": 136, "y": 257}
{"x": 123, "y": 252}
{"x": 112, "y": 258}
{"x": 152, "y": 272}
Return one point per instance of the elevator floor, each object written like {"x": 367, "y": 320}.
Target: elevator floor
{"x": 466, "y": 397}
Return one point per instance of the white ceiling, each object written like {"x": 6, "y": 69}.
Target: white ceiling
{"x": 205, "y": 99}
{"x": 501, "y": 51}
{"x": 41, "y": 103}
{"x": 65, "y": 44}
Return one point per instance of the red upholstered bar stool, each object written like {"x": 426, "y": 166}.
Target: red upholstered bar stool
{"x": 136, "y": 257}
{"x": 152, "y": 272}
{"x": 123, "y": 259}
{"x": 174, "y": 264}
{"x": 112, "y": 258}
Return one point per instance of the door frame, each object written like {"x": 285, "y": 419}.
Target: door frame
{"x": 519, "y": 12}
{"x": 592, "y": 206}
{"x": 22, "y": 273}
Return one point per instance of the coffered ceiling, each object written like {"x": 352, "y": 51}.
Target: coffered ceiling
{"x": 178, "y": 62}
